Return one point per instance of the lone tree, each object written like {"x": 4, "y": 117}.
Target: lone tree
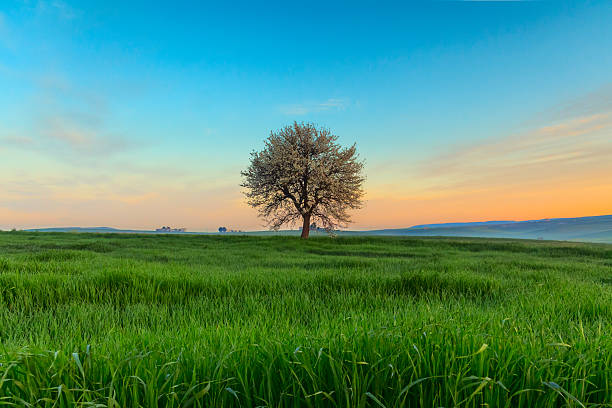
{"x": 303, "y": 173}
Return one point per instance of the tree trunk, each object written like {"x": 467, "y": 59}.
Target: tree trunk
{"x": 306, "y": 226}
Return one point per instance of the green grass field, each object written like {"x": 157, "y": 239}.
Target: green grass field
{"x": 163, "y": 320}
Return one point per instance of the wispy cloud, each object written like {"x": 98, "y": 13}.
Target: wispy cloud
{"x": 17, "y": 141}
{"x": 597, "y": 101}
{"x": 332, "y": 104}
{"x": 572, "y": 143}
{"x": 83, "y": 136}
{"x": 66, "y": 121}
{"x": 542, "y": 153}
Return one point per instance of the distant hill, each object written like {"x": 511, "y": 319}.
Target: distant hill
{"x": 81, "y": 229}
{"x": 587, "y": 229}
{"x": 462, "y": 224}
{"x": 107, "y": 230}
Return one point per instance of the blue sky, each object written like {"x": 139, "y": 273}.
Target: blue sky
{"x": 112, "y": 113}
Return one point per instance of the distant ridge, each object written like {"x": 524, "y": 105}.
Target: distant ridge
{"x": 462, "y": 224}
{"x": 587, "y": 229}
{"x": 79, "y": 229}
{"x": 107, "y": 230}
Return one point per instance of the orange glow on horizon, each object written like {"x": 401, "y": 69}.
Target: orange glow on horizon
{"x": 554, "y": 171}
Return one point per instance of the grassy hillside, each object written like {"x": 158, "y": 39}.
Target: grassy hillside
{"x": 167, "y": 320}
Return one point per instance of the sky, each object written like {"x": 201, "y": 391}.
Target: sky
{"x": 141, "y": 114}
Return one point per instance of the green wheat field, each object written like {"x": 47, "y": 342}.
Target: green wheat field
{"x": 126, "y": 320}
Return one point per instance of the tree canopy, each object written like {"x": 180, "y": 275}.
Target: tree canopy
{"x": 303, "y": 173}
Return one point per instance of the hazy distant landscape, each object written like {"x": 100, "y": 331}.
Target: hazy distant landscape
{"x": 582, "y": 229}
{"x": 585, "y": 229}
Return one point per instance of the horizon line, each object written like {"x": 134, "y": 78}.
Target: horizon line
{"x": 415, "y": 226}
